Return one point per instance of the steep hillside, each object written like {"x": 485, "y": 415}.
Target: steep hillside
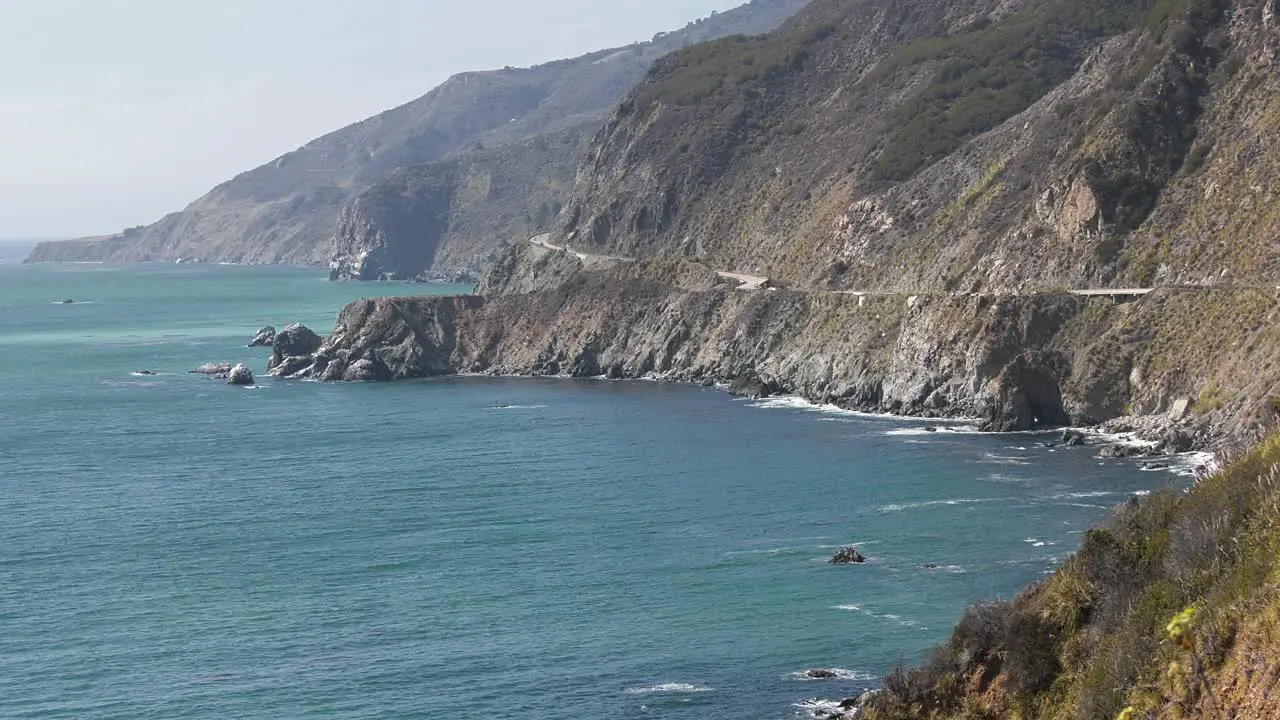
{"x": 456, "y": 214}
{"x": 955, "y": 145}
{"x": 1170, "y": 610}
{"x": 285, "y": 210}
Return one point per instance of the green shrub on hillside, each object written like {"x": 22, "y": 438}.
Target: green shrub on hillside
{"x": 1093, "y": 640}
{"x": 692, "y": 75}
{"x": 991, "y": 74}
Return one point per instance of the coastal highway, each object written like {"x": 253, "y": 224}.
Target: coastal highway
{"x": 756, "y": 282}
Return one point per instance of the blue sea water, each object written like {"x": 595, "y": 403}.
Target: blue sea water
{"x": 171, "y": 547}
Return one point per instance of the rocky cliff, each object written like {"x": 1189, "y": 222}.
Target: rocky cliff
{"x": 955, "y": 145}
{"x": 456, "y": 214}
{"x": 285, "y": 211}
{"x": 1199, "y": 358}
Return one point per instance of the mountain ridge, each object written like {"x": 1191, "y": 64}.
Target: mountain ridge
{"x": 285, "y": 211}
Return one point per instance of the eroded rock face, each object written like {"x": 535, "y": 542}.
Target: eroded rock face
{"x": 1025, "y": 395}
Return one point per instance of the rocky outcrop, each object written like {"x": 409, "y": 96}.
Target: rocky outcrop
{"x": 240, "y": 375}
{"x": 1025, "y": 395}
{"x": 1019, "y": 361}
{"x": 292, "y": 350}
{"x": 213, "y": 369}
{"x": 266, "y": 337}
{"x": 848, "y": 556}
{"x": 285, "y": 211}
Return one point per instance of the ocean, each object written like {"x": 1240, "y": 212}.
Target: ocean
{"x": 172, "y": 547}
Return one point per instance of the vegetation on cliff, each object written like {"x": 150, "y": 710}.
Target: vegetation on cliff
{"x": 1170, "y": 609}
{"x": 962, "y": 145}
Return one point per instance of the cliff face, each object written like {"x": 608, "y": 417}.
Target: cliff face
{"x": 285, "y": 210}
{"x": 1018, "y": 361}
{"x": 456, "y": 214}
{"x": 956, "y": 145}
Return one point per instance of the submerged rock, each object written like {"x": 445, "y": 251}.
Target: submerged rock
{"x": 266, "y": 337}
{"x": 68, "y": 301}
{"x": 820, "y": 674}
{"x": 146, "y": 373}
{"x": 240, "y": 375}
{"x": 848, "y": 556}
{"x": 214, "y": 369}
{"x": 1072, "y": 438}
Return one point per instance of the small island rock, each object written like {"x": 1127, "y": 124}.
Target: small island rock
{"x": 214, "y": 369}
{"x": 240, "y": 375}
{"x": 820, "y": 674}
{"x": 848, "y": 556}
{"x": 266, "y": 337}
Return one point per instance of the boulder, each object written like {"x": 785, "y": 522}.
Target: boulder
{"x": 1176, "y": 441}
{"x": 1121, "y": 451}
{"x": 751, "y": 386}
{"x": 295, "y": 341}
{"x": 1072, "y": 437}
{"x": 214, "y": 369}
{"x": 848, "y": 556}
{"x": 240, "y": 375}
{"x": 266, "y": 337}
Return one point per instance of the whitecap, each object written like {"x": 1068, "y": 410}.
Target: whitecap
{"x": 669, "y": 688}
{"x": 518, "y": 407}
{"x": 791, "y": 402}
{"x": 936, "y": 503}
{"x": 896, "y": 619}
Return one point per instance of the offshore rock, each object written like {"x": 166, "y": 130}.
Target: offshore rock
{"x": 295, "y": 341}
{"x": 266, "y": 337}
{"x": 213, "y": 369}
{"x": 240, "y": 375}
{"x": 848, "y": 556}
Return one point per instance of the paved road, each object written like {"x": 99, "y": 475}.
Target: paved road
{"x": 755, "y": 282}
{"x": 544, "y": 241}
{"x": 1111, "y": 292}
{"x": 749, "y": 282}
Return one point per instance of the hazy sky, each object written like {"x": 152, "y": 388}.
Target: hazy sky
{"x": 114, "y": 112}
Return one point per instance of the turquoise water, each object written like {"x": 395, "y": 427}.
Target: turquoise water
{"x": 463, "y": 548}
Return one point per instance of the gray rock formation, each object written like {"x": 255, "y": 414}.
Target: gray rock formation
{"x": 266, "y": 337}
{"x": 292, "y": 350}
{"x": 848, "y": 556}
{"x": 213, "y": 369}
{"x": 240, "y": 375}
{"x": 1025, "y": 395}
